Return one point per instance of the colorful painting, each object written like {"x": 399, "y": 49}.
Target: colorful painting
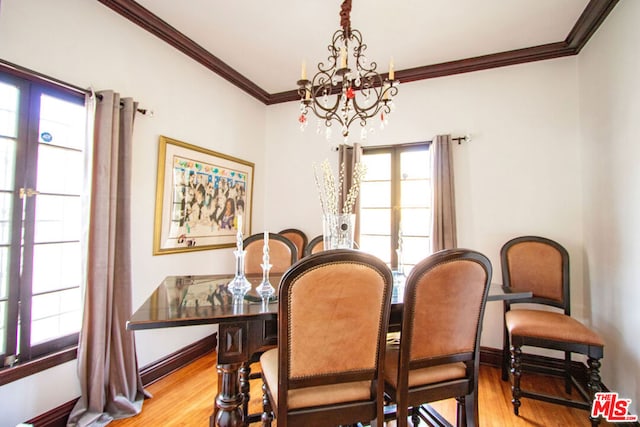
{"x": 202, "y": 198}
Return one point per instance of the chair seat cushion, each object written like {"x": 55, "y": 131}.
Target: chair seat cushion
{"x": 551, "y": 326}
{"x": 312, "y": 396}
{"x": 422, "y": 376}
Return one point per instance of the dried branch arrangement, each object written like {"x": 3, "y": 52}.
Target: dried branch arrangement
{"x": 330, "y": 188}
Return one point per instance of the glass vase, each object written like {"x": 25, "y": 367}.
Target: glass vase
{"x": 338, "y": 231}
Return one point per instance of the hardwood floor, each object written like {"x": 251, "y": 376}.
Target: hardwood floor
{"x": 185, "y": 398}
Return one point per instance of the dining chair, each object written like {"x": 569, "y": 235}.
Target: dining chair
{"x": 297, "y": 237}
{"x": 314, "y": 246}
{"x": 332, "y": 321}
{"x": 282, "y": 253}
{"x": 541, "y": 265}
{"x": 438, "y": 354}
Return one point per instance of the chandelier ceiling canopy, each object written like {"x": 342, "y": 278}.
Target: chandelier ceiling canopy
{"x": 347, "y": 89}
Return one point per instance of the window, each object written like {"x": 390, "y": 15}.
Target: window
{"x": 42, "y": 158}
{"x": 395, "y": 203}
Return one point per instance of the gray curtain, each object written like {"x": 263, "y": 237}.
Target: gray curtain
{"x": 107, "y": 363}
{"x": 444, "y": 207}
{"x": 349, "y": 156}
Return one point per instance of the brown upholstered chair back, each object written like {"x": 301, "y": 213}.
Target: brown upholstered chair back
{"x": 282, "y": 253}
{"x": 314, "y": 246}
{"x": 539, "y": 265}
{"x": 333, "y": 316}
{"x": 444, "y": 300}
{"x": 297, "y": 237}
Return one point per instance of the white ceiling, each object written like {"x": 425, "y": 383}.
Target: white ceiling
{"x": 266, "y": 41}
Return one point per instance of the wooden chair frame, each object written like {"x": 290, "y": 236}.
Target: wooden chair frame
{"x": 273, "y": 236}
{"x": 308, "y": 250}
{"x": 298, "y": 233}
{"x": 339, "y": 414}
{"x": 513, "y": 361}
{"x": 465, "y": 390}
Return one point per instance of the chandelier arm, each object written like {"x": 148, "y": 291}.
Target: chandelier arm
{"x": 360, "y": 91}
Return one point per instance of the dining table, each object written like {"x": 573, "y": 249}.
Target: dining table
{"x": 246, "y": 326}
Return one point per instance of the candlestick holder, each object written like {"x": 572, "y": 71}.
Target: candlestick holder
{"x": 265, "y": 289}
{"x": 239, "y": 286}
{"x": 398, "y": 276}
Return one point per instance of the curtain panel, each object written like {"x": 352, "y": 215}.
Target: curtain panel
{"x": 107, "y": 363}
{"x": 444, "y": 234}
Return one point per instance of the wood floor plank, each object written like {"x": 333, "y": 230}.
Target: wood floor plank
{"x": 185, "y": 399}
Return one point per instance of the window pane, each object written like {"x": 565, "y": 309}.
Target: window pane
{"x": 8, "y": 110}
{"x": 62, "y": 123}
{"x": 56, "y": 266}
{"x": 55, "y": 314}
{"x": 6, "y": 206}
{"x": 59, "y": 170}
{"x": 415, "y": 249}
{"x": 415, "y": 193}
{"x": 7, "y": 163}
{"x": 378, "y": 166}
{"x": 416, "y": 222}
{"x": 57, "y": 218}
{"x": 375, "y": 221}
{"x": 415, "y": 164}
{"x": 376, "y": 245}
{"x": 375, "y": 194}
{"x": 4, "y": 272}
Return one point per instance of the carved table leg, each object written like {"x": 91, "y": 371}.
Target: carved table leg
{"x": 229, "y": 399}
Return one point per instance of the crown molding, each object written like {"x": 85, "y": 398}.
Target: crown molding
{"x": 591, "y": 18}
{"x": 161, "y": 29}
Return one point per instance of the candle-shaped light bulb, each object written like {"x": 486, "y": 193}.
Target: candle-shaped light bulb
{"x": 385, "y": 90}
{"x": 392, "y": 73}
{"x": 303, "y": 71}
{"x": 343, "y": 57}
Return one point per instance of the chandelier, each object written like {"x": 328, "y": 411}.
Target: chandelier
{"x": 360, "y": 92}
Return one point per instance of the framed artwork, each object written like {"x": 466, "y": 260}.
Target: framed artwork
{"x": 202, "y": 198}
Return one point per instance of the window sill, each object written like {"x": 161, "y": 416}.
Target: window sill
{"x": 25, "y": 369}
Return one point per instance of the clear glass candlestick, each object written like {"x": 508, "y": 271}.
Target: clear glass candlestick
{"x": 265, "y": 289}
{"x": 239, "y": 286}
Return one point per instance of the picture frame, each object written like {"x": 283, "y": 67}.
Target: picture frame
{"x": 202, "y": 198}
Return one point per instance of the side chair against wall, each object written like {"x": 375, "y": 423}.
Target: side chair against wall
{"x": 282, "y": 253}
{"x": 297, "y": 237}
{"x": 314, "y": 246}
{"x": 439, "y": 352}
{"x": 541, "y": 265}
{"x": 333, "y": 317}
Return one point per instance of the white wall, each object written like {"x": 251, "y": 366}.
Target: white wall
{"x": 609, "y": 67}
{"x": 87, "y": 44}
{"x": 519, "y": 175}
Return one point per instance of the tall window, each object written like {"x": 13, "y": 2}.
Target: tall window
{"x": 395, "y": 204}
{"x": 42, "y": 143}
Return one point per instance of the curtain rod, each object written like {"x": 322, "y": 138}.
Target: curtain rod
{"x": 21, "y": 71}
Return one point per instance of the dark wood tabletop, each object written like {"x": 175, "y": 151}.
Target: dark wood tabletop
{"x": 204, "y": 299}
